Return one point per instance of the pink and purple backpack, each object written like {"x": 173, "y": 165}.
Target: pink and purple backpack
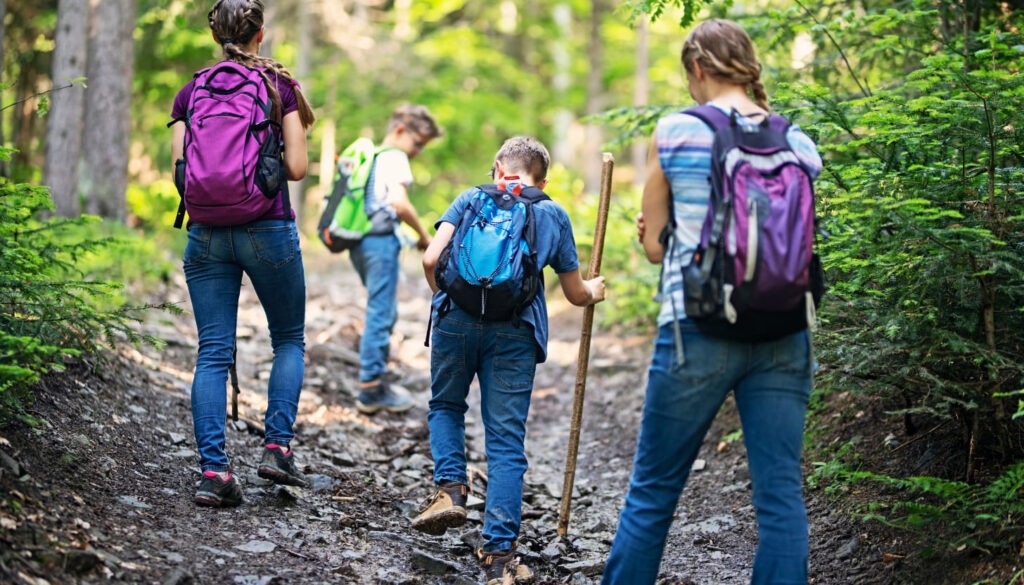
{"x": 754, "y": 276}
{"x": 232, "y": 170}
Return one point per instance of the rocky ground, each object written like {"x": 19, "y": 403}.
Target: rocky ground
{"x": 101, "y": 490}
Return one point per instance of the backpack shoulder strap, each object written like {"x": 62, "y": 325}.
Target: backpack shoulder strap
{"x": 533, "y": 195}
{"x": 711, "y": 116}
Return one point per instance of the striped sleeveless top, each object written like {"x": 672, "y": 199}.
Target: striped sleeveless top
{"x": 684, "y": 152}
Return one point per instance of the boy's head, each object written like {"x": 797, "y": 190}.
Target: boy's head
{"x": 410, "y": 128}
{"x": 524, "y": 156}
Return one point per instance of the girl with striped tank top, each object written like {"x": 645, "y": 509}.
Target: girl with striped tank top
{"x": 686, "y": 385}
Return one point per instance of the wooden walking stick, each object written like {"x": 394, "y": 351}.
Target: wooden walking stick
{"x": 608, "y": 163}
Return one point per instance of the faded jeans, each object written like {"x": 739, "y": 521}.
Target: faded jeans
{"x": 504, "y": 360}
{"x": 772, "y": 383}
{"x": 215, "y": 259}
{"x": 376, "y": 261}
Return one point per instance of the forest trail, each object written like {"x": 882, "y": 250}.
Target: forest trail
{"x": 104, "y": 488}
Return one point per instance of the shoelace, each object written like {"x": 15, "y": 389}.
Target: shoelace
{"x": 428, "y": 501}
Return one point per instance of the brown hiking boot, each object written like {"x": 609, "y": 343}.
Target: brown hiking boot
{"x": 503, "y": 567}
{"x": 443, "y": 509}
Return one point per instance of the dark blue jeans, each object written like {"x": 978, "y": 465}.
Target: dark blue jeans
{"x": 504, "y": 360}
{"x": 215, "y": 259}
{"x": 772, "y": 383}
{"x": 376, "y": 261}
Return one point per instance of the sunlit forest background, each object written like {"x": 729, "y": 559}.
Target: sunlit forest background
{"x": 915, "y": 105}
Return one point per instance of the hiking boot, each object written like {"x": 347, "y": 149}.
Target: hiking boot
{"x": 504, "y": 568}
{"x": 216, "y": 492}
{"x": 443, "y": 509}
{"x": 279, "y": 467}
{"x": 381, "y": 397}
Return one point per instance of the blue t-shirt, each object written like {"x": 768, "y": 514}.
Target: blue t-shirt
{"x": 556, "y": 247}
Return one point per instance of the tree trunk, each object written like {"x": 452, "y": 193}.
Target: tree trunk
{"x": 595, "y": 102}
{"x": 64, "y": 122}
{"x": 562, "y": 147}
{"x": 4, "y": 171}
{"x": 104, "y": 176}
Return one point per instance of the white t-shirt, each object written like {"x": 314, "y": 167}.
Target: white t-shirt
{"x": 392, "y": 170}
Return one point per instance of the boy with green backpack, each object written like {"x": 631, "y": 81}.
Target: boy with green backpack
{"x": 371, "y": 204}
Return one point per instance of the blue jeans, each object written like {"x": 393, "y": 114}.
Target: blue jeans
{"x": 376, "y": 261}
{"x": 215, "y": 258}
{"x": 772, "y": 383}
{"x": 504, "y": 360}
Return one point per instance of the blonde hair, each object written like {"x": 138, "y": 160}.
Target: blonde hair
{"x": 235, "y": 23}
{"x": 525, "y": 154}
{"x": 725, "y": 51}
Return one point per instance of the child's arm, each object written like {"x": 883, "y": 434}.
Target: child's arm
{"x": 581, "y": 292}
{"x": 399, "y": 197}
{"x": 655, "y": 206}
{"x": 433, "y": 252}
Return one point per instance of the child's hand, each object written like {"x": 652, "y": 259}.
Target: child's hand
{"x": 596, "y": 288}
{"x": 641, "y": 227}
{"x": 423, "y": 243}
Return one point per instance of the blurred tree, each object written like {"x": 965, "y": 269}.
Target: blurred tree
{"x": 65, "y": 121}
{"x": 104, "y": 173}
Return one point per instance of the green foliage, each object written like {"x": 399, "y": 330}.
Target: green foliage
{"x": 50, "y": 309}
{"x": 986, "y": 517}
{"x": 922, "y": 198}
{"x": 656, "y": 8}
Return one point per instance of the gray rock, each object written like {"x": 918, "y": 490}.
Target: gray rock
{"x": 431, "y": 564}
{"x": 79, "y": 562}
{"x": 10, "y": 464}
{"x": 217, "y": 551}
{"x": 587, "y": 567}
{"x": 257, "y": 546}
{"x": 848, "y": 548}
{"x": 133, "y": 502}
{"x": 180, "y": 577}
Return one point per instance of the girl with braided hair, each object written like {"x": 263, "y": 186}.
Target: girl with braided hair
{"x": 267, "y": 250}
{"x": 687, "y": 383}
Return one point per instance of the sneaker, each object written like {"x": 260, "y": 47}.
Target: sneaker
{"x": 381, "y": 397}
{"x": 503, "y": 567}
{"x": 443, "y": 509}
{"x": 278, "y": 465}
{"x": 217, "y": 492}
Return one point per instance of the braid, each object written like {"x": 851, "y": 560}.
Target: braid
{"x": 759, "y": 94}
{"x": 729, "y": 56}
{"x": 235, "y": 23}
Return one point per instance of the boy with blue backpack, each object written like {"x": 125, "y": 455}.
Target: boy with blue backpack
{"x": 375, "y": 257}
{"x": 489, "y": 320}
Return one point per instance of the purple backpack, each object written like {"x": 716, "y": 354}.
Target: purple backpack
{"x": 754, "y": 276}
{"x": 232, "y": 170}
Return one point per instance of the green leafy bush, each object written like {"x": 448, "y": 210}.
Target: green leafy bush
{"x": 923, "y": 201}
{"x": 985, "y": 517}
{"x": 50, "y": 309}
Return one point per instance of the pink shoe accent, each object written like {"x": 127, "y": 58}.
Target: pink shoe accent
{"x": 283, "y": 450}
{"x": 225, "y": 477}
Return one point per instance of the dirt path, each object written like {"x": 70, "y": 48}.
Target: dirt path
{"x": 102, "y": 491}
